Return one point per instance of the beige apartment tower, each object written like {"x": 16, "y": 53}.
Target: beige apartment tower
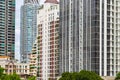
{"x": 48, "y": 40}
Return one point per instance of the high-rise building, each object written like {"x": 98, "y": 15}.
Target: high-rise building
{"x": 7, "y": 28}
{"x": 33, "y": 60}
{"x": 48, "y": 40}
{"x": 71, "y": 30}
{"x": 90, "y": 36}
{"x": 28, "y": 29}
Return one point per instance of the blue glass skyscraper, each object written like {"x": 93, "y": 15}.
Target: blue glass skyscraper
{"x": 28, "y": 28}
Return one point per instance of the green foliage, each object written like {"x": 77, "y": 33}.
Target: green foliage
{"x": 1, "y": 70}
{"x": 5, "y": 77}
{"x": 13, "y": 76}
{"x": 1, "y": 73}
{"x": 82, "y": 75}
{"x": 117, "y": 76}
{"x": 89, "y": 75}
{"x": 32, "y": 78}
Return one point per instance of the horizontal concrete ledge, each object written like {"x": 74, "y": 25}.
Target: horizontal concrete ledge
{"x": 108, "y": 77}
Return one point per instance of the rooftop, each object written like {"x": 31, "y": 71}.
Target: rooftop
{"x": 4, "y": 57}
{"x": 31, "y": 1}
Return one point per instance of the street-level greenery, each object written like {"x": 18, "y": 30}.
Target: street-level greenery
{"x": 3, "y": 76}
{"x": 32, "y": 78}
{"x": 117, "y": 76}
{"x": 82, "y": 75}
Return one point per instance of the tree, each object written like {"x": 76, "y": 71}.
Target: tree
{"x": 3, "y": 76}
{"x": 89, "y": 75}
{"x": 82, "y": 75}
{"x": 32, "y": 78}
{"x": 117, "y": 76}
{"x": 14, "y": 76}
{"x": 66, "y": 76}
{"x": 1, "y": 73}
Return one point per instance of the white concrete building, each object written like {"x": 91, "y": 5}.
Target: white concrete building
{"x": 48, "y": 40}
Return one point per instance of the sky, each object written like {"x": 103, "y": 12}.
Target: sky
{"x": 19, "y": 3}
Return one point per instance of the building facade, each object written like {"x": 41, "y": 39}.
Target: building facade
{"x": 28, "y": 30}
{"x": 90, "y": 36}
{"x": 11, "y": 66}
{"x": 7, "y": 27}
{"x": 33, "y": 60}
{"x": 48, "y": 40}
{"x": 71, "y": 38}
